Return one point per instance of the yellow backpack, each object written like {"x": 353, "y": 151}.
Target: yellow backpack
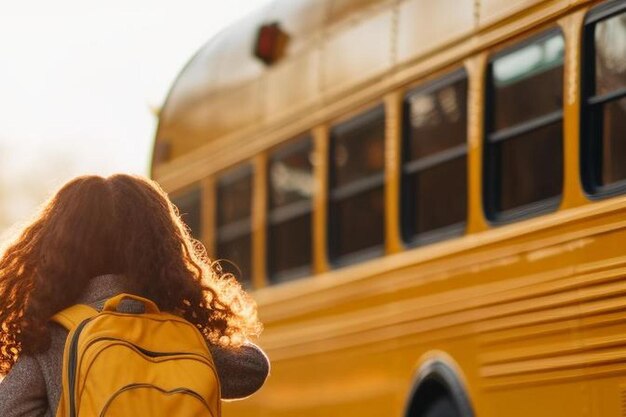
{"x": 151, "y": 364}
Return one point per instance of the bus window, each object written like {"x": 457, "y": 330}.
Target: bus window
{"x": 234, "y": 223}
{"x": 523, "y": 151}
{"x": 434, "y": 172}
{"x": 290, "y": 179}
{"x": 189, "y": 208}
{"x": 604, "y": 103}
{"x": 356, "y": 206}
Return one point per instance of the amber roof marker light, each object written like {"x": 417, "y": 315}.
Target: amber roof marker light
{"x": 271, "y": 43}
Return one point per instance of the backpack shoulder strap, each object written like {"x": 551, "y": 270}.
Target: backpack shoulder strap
{"x": 72, "y": 316}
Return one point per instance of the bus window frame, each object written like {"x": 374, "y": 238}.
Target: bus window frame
{"x": 341, "y": 193}
{"x": 238, "y": 228}
{"x": 296, "y": 144}
{"x": 588, "y": 100}
{"x": 490, "y": 191}
{"x": 453, "y": 230}
{"x": 185, "y": 194}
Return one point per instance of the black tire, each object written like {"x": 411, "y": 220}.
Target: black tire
{"x": 441, "y": 407}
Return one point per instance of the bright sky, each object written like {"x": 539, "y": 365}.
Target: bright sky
{"x": 78, "y": 79}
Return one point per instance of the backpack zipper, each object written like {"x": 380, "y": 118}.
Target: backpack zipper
{"x": 186, "y": 391}
{"x": 150, "y": 353}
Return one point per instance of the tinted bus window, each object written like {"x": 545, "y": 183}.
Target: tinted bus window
{"x": 290, "y": 203}
{"x": 234, "y": 223}
{"x": 356, "y": 212}
{"x": 434, "y": 172}
{"x": 604, "y": 102}
{"x": 523, "y": 152}
{"x": 356, "y": 188}
{"x": 190, "y": 209}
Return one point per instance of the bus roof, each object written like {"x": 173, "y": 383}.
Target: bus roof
{"x": 333, "y": 47}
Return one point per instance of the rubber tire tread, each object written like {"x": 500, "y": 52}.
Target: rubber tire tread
{"x": 441, "y": 407}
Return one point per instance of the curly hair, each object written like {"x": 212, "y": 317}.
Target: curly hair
{"x": 123, "y": 224}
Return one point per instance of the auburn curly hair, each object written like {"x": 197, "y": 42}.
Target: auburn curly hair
{"x": 123, "y": 224}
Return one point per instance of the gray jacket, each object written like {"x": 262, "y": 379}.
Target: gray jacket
{"x": 33, "y": 386}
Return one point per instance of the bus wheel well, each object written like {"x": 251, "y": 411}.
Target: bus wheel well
{"x": 438, "y": 381}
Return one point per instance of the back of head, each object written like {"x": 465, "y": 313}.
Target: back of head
{"x": 122, "y": 224}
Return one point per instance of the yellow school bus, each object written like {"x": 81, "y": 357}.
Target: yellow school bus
{"x": 426, "y": 198}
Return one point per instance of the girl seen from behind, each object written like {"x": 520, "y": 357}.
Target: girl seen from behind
{"x": 97, "y": 238}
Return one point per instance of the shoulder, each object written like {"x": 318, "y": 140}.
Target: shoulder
{"x": 51, "y": 359}
{"x": 23, "y": 391}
